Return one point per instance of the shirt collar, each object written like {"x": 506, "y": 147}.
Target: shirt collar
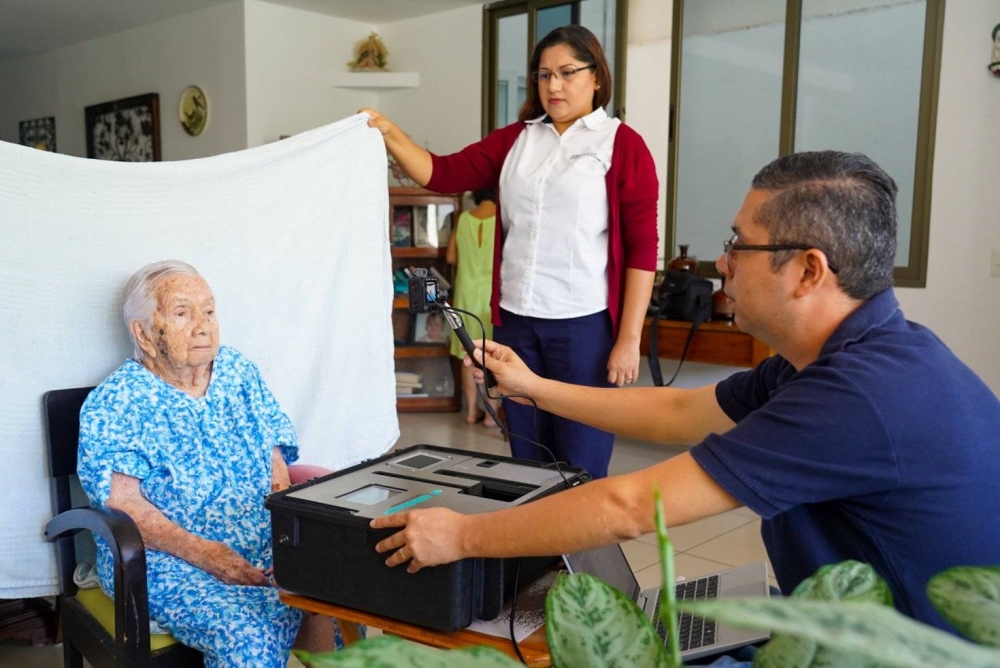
{"x": 874, "y": 313}
{"x": 593, "y": 121}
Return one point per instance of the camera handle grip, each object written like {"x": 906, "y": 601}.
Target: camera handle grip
{"x": 456, "y": 324}
{"x": 463, "y": 336}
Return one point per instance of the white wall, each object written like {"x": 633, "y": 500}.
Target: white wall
{"x": 961, "y": 302}
{"x": 203, "y": 48}
{"x": 444, "y": 112}
{"x": 647, "y": 88}
{"x": 291, "y": 57}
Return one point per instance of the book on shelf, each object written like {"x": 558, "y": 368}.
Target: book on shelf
{"x": 402, "y": 226}
{"x": 408, "y": 377}
{"x": 406, "y": 389}
{"x": 408, "y": 384}
{"x": 400, "y": 283}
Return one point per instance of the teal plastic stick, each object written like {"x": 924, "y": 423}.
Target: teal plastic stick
{"x": 412, "y": 502}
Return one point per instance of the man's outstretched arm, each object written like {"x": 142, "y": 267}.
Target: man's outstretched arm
{"x": 598, "y": 513}
{"x": 657, "y": 414}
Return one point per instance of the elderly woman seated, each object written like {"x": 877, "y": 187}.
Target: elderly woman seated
{"x": 187, "y": 439}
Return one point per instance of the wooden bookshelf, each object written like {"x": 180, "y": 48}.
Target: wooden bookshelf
{"x": 422, "y": 247}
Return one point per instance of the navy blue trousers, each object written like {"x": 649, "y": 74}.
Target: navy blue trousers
{"x": 575, "y": 351}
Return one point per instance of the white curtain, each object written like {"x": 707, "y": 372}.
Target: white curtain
{"x": 292, "y": 238}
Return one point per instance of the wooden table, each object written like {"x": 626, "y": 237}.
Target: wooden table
{"x": 534, "y": 648}
{"x": 717, "y": 342}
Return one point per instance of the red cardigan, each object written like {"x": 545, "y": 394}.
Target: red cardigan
{"x": 632, "y": 193}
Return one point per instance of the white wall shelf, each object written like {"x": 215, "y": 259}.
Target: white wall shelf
{"x": 375, "y": 80}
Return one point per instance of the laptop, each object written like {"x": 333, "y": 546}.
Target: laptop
{"x": 698, "y": 636}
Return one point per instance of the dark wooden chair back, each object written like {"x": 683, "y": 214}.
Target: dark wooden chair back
{"x": 83, "y": 634}
{"x": 62, "y": 421}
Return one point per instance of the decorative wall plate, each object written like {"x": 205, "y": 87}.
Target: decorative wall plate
{"x": 193, "y": 110}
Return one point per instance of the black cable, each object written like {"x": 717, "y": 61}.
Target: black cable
{"x": 513, "y": 611}
{"x": 484, "y": 394}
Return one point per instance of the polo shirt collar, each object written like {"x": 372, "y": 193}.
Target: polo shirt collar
{"x": 874, "y": 313}
{"x": 593, "y": 121}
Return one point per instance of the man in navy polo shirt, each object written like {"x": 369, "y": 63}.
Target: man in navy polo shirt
{"x": 863, "y": 438}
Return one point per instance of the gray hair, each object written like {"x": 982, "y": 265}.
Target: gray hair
{"x": 138, "y": 302}
{"x": 843, "y": 204}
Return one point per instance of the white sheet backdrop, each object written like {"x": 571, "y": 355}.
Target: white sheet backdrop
{"x": 292, "y": 238}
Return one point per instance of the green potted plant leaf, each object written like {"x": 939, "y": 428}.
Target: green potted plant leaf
{"x": 392, "y": 652}
{"x": 872, "y": 631}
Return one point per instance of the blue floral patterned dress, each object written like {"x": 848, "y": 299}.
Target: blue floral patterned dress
{"x": 205, "y": 463}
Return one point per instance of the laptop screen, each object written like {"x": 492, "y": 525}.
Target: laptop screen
{"x": 609, "y": 564}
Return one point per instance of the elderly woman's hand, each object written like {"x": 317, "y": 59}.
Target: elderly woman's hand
{"x": 159, "y": 533}
{"x": 224, "y": 564}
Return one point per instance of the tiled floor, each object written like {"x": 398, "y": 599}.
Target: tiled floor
{"x": 701, "y": 547}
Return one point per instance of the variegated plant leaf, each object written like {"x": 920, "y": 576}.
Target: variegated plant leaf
{"x": 969, "y": 598}
{"x": 668, "y": 595}
{"x": 788, "y": 651}
{"x": 392, "y": 652}
{"x": 845, "y": 581}
{"x": 875, "y": 632}
{"x": 590, "y": 624}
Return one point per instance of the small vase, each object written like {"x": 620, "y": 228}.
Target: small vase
{"x": 684, "y": 262}
{"x": 722, "y": 309}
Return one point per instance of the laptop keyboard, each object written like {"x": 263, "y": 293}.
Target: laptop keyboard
{"x": 694, "y": 631}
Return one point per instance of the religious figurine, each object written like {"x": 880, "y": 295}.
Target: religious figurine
{"x": 370, "y": 54}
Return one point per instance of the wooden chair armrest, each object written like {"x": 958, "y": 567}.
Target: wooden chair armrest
{"x": 129, "y": 554}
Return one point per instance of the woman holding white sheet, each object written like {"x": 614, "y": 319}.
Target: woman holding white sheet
{"x": 576, "y": 249}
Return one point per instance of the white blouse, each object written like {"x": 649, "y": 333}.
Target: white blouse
{"x": 555, "y": 218}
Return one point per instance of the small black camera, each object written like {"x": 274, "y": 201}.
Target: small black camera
{"x": 424, "y": 293}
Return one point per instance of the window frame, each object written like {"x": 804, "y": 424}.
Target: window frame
{"x": 493, "y": 12}
{"x": 914, "y": 273}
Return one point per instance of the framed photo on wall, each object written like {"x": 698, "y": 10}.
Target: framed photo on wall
{"x": 126, "y": 130}
{"x": 38, "y": 133}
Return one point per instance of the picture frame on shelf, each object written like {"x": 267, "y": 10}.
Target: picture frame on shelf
{"x": 430, "y": 329}
{"x": 402, "y": 226}
{"x": 38, "y": 133}
{"x": 424, "y": 235}
{"x": 126, "y": 130}
{"x": 402, "y": 327}
{"x": 445, "y": 223}
{"x": 432, "y": 225}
